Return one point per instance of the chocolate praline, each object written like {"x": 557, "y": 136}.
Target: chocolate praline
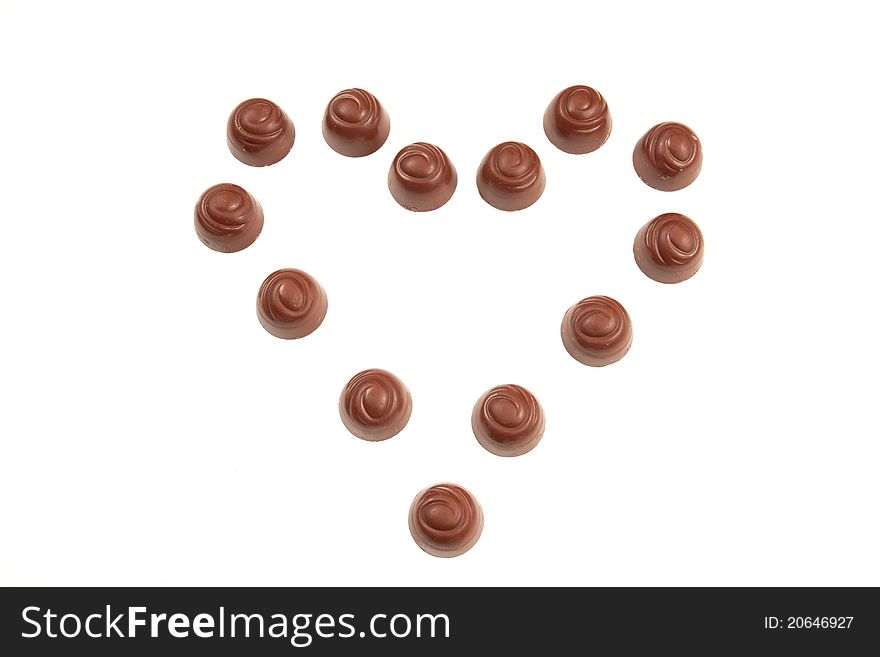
{"x": 577, "y": 120}
{"x": 669, "y": 248}
{"x": 259, "y": 133}
{"x": 597, "y": 331}
{"x": 668, "y": 157}
{"x": 445, "y": 520}
{"x": 291, "y": 304}
{"x": 355, "y": 123}
{"x": 422, "y": 178}
{"x": 511, "y": 177}
{"x": 508, "y": 420}
{"x": 228, "y": 218}
{"x": 375, "y": 405}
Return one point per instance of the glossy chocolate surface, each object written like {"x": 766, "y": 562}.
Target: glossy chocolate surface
{"x": 355, "y": 123}
{"x": 668, "y": 157}
{"x": 445, "y": 520}
{"x": 228, "y": 218}
{"x": 259, "y": 133}
{"x": 291, "y": 304}
{"x": 422, "y": 178}
{"x": 508, "y": 420}
{"x": 597, "y": 331}
{"x": 511, "y": 177}
{"x": 577, "y": 120}
{"x": 669, "y": 248}
{"x": 375, "y": 405}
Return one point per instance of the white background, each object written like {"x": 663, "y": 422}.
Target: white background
{"x": 154, "y": 433}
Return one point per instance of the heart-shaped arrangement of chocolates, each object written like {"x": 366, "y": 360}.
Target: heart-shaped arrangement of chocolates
{"x": 446, "y": 520}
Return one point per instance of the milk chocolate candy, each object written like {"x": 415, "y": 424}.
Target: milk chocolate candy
{"x": 668, "y": 157}
{"x": 375, "y": 405}
{"x": 508, "y": 420}
{"x": 291, "y": 304}
{"x": 259, "y": 133}
{"x": 445, "y": 520}
{"x": 422, "y": 178}
{"x": 669, "y": 248}
{"x": 597, "y": 331}
{"x": 511, "y": 177}
{"x": 577, "y": 120}
{"x": 355, "y": 123}
{"x": 227, "y": 218}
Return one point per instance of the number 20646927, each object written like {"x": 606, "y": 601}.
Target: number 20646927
{"x": 808, "y": 622}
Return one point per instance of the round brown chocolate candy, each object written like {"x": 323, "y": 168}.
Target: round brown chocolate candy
{"x": 445, "y": 520}
{"x": 227, "y": 218}
{"x": 355, "y": 123}
{"x": 577, "y": 120}
{"x": 511, "y": 177}
{"x": 669, "y": 248}
{"x": 508, "y": 420}
{"x": 422, "y": 178}
{"x": 291, "y": 304}
{"x": 375, "y": 405}
{"x": 597, "y": 331}
{"x": 668, "y": 157}
{"x": 259, "y": 133}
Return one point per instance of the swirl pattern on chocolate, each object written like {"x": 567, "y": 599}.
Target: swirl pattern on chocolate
{"x": 508, "y": 420}
{"x": 597, "y": 331}
{"x": 291, "y": 304}
{"x": 421, "y": 177}
{"x": 257, "y": 122}
{"x": 668, "y": 157}
{"x": 583, "y": 108}
{"x": 671, "y": 148}
{"x": 259, "y": 133}
{"x": 421, "y": 165}
{"x": 375, "y": 405}
{"x": 354, "y": 107}
{"x": 669, "y": 248}
{"x": 228, "y": 218}
{"x": 511, "y": 176}
{"x": 445, "y": 520}
{"x": 577, "y": 120}
{"x": 513, "y": 165}
{"x": 355, "y": 123}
